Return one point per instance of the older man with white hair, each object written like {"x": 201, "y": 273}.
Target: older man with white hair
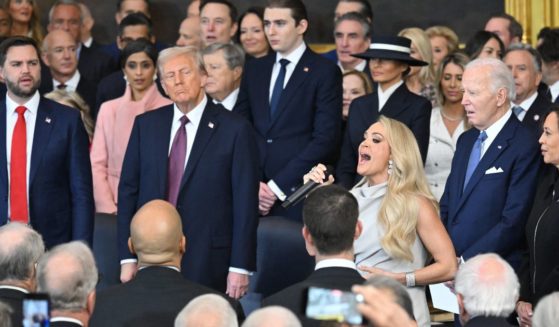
{"x": 487, "y": 290}
{"x": 68, "y": 274}
{"x": 273, "y": 316}
{"x": 209, "y": 310}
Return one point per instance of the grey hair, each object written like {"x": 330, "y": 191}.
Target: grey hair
{"x": 69, "y": 285}
{"x": 233, "y": 54}
{"x": 5, "y": 315}
{"x": 546, "y": 313}
{"x": 401, "y": 295}
{"x": 173, "y": 52}
{"x": 499, "y": 75}
{"x": 272, "y": 313}
{"x": 211, "y": 305}
{"x": 355, "y": 17}
{"x": 65, "y": 2}
{"x": 483, "y": 296}
{"x": 536, "y": 58}
{"x": 21, "y": 249}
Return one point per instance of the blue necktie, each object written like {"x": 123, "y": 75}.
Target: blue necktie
{"x": 475, "y": 156}
{"x": 517, "y": 111}
{"x": 278, "y": 87}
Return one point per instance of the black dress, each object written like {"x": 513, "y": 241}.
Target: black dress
{"x": 540, "y": 275}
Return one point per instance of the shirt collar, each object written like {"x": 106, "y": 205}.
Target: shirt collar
{"x": 229, "y": 101}
{"x": 554, "y": 90}
{"x": 72, "y": 83}
{"x": 88, "y": 42}
{"x": 388, "y": 92}
{"x": 294, "y": 56}
{"x": 340, "y": 263}
{"x": 497, "y": 126}
{"x": 67, "y": 319}
{"x": 360, "y": 67}
{"x": 15, "y": 288}
{"x": 32, "y": 104}
{"x": 195, "y": 115}
{"x": 526, "y": 104}
{"x": 168, "y": 267}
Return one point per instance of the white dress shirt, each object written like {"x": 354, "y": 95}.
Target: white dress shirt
{"x": 336, "y": 262}
{"x": 525, "y": 105}
{"x": 554, "y": 90}
{"x": 229, "y": 101}
{"x": 66, "y": 319}
{"x": 71, "y": 84}
{"x": 493, "y": 130}
{"x": 360, "y": 67}
{"x": 383, "y": 96}
{"x": 30, "y": 115}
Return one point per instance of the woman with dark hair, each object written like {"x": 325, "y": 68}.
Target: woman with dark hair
{"x": 25, "y": 19}
{"x": 485, "y": 44}
{"x": 389, "y": 63}
{"x": 116, "y": 118}
{"x": 539, "y": 275}
{"x": 251, "y": 32}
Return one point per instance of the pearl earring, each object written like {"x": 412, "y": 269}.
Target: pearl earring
{"x": 390, "y": 166}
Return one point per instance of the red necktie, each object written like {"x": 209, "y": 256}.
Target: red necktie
{"x": 18, "y": 170}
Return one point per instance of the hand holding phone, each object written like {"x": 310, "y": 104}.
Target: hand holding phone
{"x": 334, "y": 305}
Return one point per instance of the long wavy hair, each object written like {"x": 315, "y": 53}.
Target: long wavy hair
{"x": 423, "y": 45}
{"x": 407, "y": 183}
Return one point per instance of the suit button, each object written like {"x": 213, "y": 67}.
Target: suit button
{"x": 293, "y": 189}
{"x": 436, "y": 164}
{"x": 269, "y": 141}
{"x": 436, "y": 185}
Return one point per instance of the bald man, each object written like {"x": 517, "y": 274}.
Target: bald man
{"x": 189, "y": 33}
{"x": 156, "y": 238}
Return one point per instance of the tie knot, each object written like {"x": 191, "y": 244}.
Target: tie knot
{"x": 284, "y": 62}
{"x": 20, "y": 110}
{"x": 61, "y": 86}
{"x": 184, "y": 120}
{"x": 482, "y": 136}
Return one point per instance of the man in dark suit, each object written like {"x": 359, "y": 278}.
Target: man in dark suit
{"x": 49, "y": 184}
{"x": 293, "y": 98}
{"x": 487, "y": 290}
{"x": 157, "y": 239}
{"x": 548, "y": 48}
{"x": 224, "y": 65}
{"x": 21, "y": 249}
{"x": 529, "y": 106}
{"x": 486, "y": 201}
{"x": 203, "y": 159}
{"x": 93, "y": 64}
{"x": 68, "y": 274}
{"x": 59, "y": 55}
{"x": 330, "y": 216}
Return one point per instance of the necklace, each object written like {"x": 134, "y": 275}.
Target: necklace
{"x": 451, "y": 118}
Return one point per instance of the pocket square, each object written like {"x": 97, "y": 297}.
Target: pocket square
{"x": 493, "y": 170}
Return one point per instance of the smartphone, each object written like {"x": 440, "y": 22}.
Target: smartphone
{"x": 333, "y": 305}
{"x": 36, "y": 310}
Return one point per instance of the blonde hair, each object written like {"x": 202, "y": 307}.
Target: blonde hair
{"x": 35, "y": 26}
{"x": 422, "y": 43}
{"x": 397, "y": 214}
{"x": 447, "y": 33}
{"x": 74, "y": 100}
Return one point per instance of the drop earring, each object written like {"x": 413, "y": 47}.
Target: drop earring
{"x": 390, "y": 166}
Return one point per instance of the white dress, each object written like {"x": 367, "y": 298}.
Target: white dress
{"x": 369, "y": 252}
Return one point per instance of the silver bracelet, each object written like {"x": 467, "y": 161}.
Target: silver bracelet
{"x": 410, "y": 279}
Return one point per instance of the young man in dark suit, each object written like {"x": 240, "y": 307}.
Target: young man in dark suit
{"x": 331, "y": 225}
{"x": 158, "y": 292}
{"x": 293, "y": 98}
{"x": 49, "y": 185}
{"x": 203, "y": 159}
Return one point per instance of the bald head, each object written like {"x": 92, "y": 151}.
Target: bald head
{"x": 156, "y": 234}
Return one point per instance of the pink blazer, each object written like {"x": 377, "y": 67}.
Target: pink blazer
{"x": 112, "y": 131}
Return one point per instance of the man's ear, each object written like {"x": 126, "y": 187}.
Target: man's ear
{"x": 234, "y": 28}
{"x": 302, "y": 26}
{"x": 309, "y": 243}
{"x": 131, "y": 246}
{"x": 358, "y": 229}
{"x": 90, "y": 303}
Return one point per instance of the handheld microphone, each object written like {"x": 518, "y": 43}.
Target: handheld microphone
{"x": 302, "y": 191}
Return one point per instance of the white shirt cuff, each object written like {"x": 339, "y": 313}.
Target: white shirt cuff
{"x": 277, "y": 191}
{"x": 128, "y": 261}
{"x": 240, "y": 271}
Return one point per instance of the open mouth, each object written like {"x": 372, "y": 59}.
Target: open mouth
{"x": 363, "y": 157}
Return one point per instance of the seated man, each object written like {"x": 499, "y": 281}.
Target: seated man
{"x": 68, "y": 274}
{"x": 330, "y": 217}
{"x": 209, "y": 310}
{"x": 224, "y": 65}
{"x": 487, "y": 290}
{"x": 156, "y": 238}
{"x": 21, "y": 249}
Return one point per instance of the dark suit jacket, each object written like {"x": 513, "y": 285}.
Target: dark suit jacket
{"x": 542, "y": 235}
{"x": 294, "y": 297}
{"x": 153, "y": 298}
{"x": 536, "y": 114}
{"x": 305, "y": 130}
{"x": 112, "y": 87}
{"x": 60, "y": 188}
{"x": 487, "y": 322}
{"x": 411, "y": 109}
{"x": 86, "y": 89}
{"x": 94, "y": 64}
{"x": 14, "y": 299}
{"x": 218, "y": 198}
{"x": 491, "y": 212}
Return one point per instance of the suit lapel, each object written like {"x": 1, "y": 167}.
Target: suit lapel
{"x": 498, "y": 146}
{"x": 161, "y": 146}
{"x": 43, "y": 127}
{"x": 264, "y": 88}
{"x": 370, "y": 113}
{"x": 206, "y": 129}
{"x": 396, "y": 103}
{"x": 3, "y": 157}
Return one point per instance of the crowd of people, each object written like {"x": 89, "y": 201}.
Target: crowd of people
{"x": 444, "y": 164}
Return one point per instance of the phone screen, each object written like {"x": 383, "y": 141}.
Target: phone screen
{"x": 36, "y": 310}
{"x": 332, "y": 304}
